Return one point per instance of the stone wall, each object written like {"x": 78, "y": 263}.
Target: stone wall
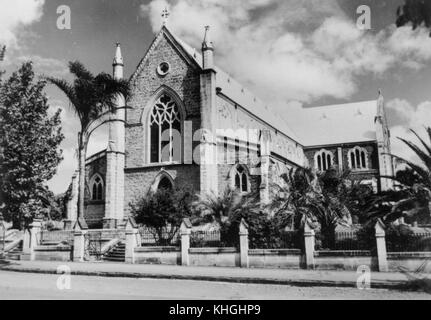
{"x": 182, "y": 78}
{"x": 138, "y": 181}
{"x": 53, "y": 253}
{"x": 158, "y": 255}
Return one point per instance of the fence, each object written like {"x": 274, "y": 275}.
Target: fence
{"x": 409, "y": 242}
{"x": 204, "y": 239}
{"x": 282, "y": 240}
{"x": 55, "y": 237}
{"x": 2, "y": 237}
{"x": 149, "y": 237}
{"x": 291, "y": 240}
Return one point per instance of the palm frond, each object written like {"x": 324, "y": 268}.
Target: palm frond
{"x": 80, "y": 71}
{"x": 426, "y": 146}
{"x": 422, "y": 172}
{"x": 426, "y": 158}
{"x": 69, "y": 91}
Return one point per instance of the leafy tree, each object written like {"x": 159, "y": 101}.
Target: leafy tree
{"x": 93, "y": 98}
{"x": 163, "y": 211}
{"x": 414, "y": 12}
{"x": 29, "y": 142}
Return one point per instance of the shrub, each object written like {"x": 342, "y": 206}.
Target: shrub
{"x": 163, "y": 211}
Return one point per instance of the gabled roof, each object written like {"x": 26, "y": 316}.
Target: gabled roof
{"x": 232, "y": 89}
{"x": 337, "y": 124}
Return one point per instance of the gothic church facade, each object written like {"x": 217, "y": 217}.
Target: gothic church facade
{"x": 188, "y": 123}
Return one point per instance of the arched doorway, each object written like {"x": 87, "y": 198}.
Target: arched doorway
{"x": 165, "y": 184}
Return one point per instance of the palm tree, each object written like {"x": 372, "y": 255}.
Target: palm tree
{"x": 417, "y": 13}
{"x": 419, "y": 190}
{"x": 297, "y": 198}
{"x": 93, "y": 99}
{"x": 320, "y": 198}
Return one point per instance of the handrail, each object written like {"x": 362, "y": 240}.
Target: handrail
{"x": 14, "y": 244}
{"x": 109, "y": 246}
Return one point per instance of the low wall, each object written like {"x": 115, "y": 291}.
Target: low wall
{"x": 409, "y": 261}
{"x": 274, "y": 258}
{"x": 53, "y": 253}
{"x": 215, "y": 257}
{"x": 343, "y": 260}
{"x": 158, "y": 255}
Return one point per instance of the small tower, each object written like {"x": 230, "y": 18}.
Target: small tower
{"x": 118, "y": 63}
{"x": 383, "y": 144}
{"x": 115, "y": 154}
{"x": 208, "y": 167}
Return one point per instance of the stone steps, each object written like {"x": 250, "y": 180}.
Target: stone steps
{"x": 117, "y": 254}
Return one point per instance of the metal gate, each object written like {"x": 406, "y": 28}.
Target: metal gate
{"x": 93, "y": 245}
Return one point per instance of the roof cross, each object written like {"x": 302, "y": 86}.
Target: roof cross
{"x": 165, "y": 16}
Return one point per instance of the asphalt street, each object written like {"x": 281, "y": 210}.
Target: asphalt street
{"x": 16, "y": 285}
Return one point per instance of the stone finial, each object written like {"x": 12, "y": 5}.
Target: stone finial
{"x": 243, "y": 227}
{"x": 207, "y": 43}
{"x": 379, "y": 227}
{"x": 380, "y": 106}
{"x": 308, "y": 226}
{"x": 186, "y": 224}
{"x": 80, "y": 225}
{"x": 131, "y": 224}
{"x": 118, "y": 58}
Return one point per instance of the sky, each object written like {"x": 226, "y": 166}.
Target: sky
{"x": 293, "y": 54}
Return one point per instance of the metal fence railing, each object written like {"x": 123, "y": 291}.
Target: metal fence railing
{"x": 410, "y": 242}
{"x": 284, "y": 240}
{"x": 56, "y": 237}
{"x": 291, "y": 240}
{"x": 344, "y": 241}
{"x": 149, "y": 237}
{"x": 2, "y": 238}
{"x": 202, "y": 239}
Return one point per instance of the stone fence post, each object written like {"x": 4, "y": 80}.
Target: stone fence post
{"x": 243, "y": 244}
{"x": 131, "y": 240}
{"x": 185, "y": 231}
{"x": 72, "y": 204}
{"x": 78, "y": 242}
{"x": 309, "y": 245}
{"x": 30, "y": 240}
{"x": 381, "y": 246}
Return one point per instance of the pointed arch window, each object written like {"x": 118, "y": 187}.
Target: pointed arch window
{"x": 323, "y": 160}
{"x": 97, "y": 187}
{"x": 165, "y": 131}
{"x": 358, "y": 158}
{"x": 241, "y": 180}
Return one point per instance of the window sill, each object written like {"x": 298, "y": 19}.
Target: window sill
{"x": 154, "y": 165}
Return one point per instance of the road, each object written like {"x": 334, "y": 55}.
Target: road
{"x": 26, "y": 286}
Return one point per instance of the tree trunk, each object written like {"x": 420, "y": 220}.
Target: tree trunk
{"x": 81, "y": 167}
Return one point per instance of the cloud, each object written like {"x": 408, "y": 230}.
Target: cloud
{"x": 404, "y": 116}
{"x": 41, "y": 65}
{"x": 292, "y": 50}
{"x": 16, "y": 15}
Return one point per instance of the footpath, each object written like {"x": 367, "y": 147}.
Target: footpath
{"x": 309, "y": 278}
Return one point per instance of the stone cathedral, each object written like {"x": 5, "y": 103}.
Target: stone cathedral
{"x": 188, "y": 122}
